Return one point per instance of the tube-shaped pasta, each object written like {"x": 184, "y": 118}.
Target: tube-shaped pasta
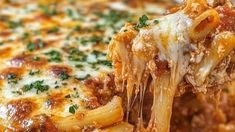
{"x": 121, "y": 127}
{"x": 221, "y": 46}
{"x": 195, "y": 7}
{"x": 103, "y": 116}
{"x": 204, "y": 24}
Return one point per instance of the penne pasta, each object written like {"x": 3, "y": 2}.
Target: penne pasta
{"x": 221, "y": 46}
{"x": 204, "y": 24}
{"x": 101, "y": 117}
{"x": 121, "y": 127}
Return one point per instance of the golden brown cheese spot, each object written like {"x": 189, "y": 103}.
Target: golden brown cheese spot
{"x": 36, "y": 123}
{"x": 5, "y": 33}
{"x": 6, "y": 52}
{"x": 48, "y": 126}
{"x": 20, "y": 109}
{"x": 43, "y": 123}
{"x": 127, "y": 36}
{"x": 46, "y": 21}
{"x": 56, "y": 100}
{"x": 2, "y": 25}
{"x": 27, "y": 61}
{"x": 227, "y": 17}
{"x": 57, "y": 70}
{"x": 17, "y": 72}
{"x": 1, "y": 83}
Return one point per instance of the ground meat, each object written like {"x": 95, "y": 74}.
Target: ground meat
{"x": 104, "y": 90}
{"x": 200, "y": 113}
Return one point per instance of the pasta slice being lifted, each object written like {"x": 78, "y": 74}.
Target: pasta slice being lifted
{"x": 187, "y": 46}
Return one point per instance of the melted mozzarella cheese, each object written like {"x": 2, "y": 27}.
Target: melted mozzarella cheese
{"x": 168, "y": 40}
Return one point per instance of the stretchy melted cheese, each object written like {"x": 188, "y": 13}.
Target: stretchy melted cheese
{"x": 158, "y": 55}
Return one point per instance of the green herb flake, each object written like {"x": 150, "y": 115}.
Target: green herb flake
{"x": 14, "y": 24}
{"x": 35, "y": 72}
{"x": 12, "y": 78}
{"x": 25, "y": 36}
{"x": 94, "y": 39}
{"x": 156, "y": 21}
{"x": 53, "y": 30}
{"x": 105, "y": 62}
{"x": 98, "y": 53}
{"x": 38, "y": 85}
{"x": 49, "y": 11}
{"x": 17, "y": 92}
{"x": 69, "y": 12}
{"x": 54, "y": 56}
{"x": 26, "y": 88}
{"x": 31, "y": 46}
{"x": 142, "y": 22}
{"x": 67, "y": 96}
{"x": 79, "y": 66}
{"x": 36, "y": 58}
{"x": 73, "y": 108}
{"x": 76, "y": 55}
{"x": 77, "y": 28}
{"x": 63, "y": 76}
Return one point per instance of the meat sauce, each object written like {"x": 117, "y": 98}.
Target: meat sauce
{"x": 227, "y": 17}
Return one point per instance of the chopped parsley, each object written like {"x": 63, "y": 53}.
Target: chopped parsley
{"x": 67, "y": 96}
{"x": 114, "y": 19}
{"x": 142, "y": 22}
{"x": 69, "y": 12}
{"x": 73, "y": 108}
{"x": 14, "y": 24}
{"x": 54, "y": 56}
{"x": 94, "y": 39}
{"x": 53, "y": 30}
{"x": 98, "y": 53}
{"x": 76, "y": 55}
{"x": 64, "y": 76}
{"x": 36, "y": 58}
{"x": 49, "y": 10}
{"x": 17, "y": 92}
{"x": 156, "y": 21}
{"x": 105, "y": 62}
{"x": 77, "y": 28}
{"x": 35, "y": 72}
{"x": 79, "y": 66}
{"x": 12, "y": 78}
{"x": 33, "y": 46}
{"x": 38, "y": 85}
{"x": 25, "y": 36}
